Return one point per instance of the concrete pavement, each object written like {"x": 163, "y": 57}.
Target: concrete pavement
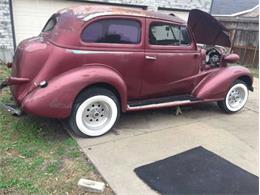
{"x": 144, "y": 137}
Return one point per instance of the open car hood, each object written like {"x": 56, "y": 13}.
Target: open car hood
{"x": 207, "y": 30}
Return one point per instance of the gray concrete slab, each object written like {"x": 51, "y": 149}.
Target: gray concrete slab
{"x": 145, "y": 137}
{"x": 253, "y": 102}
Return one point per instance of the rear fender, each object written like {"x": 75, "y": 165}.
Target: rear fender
{"x": 57, "y": 98}
{"x": 216, "y": 85}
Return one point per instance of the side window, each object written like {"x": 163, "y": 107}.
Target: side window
{"x": 168, "y": 34}
{"x": 122, "y": 31}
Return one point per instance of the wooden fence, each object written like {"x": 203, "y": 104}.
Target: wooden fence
{"x": 244, "y": 38}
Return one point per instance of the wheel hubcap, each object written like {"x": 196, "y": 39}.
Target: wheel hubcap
{"x": 236, "y": 97}
{"x": 96, "y": 115}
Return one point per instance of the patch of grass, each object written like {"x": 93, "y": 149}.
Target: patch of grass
{"x": 69, "y": 142}
{"x": 74, "y": 154}
{"x": 37, "y": 156}
{"x": 53, "y": 167}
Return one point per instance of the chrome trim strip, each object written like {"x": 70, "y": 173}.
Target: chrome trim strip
{"x": 74, "y": 51}
{"x": 79, "y": 52}
{"x": 158, "y": 105}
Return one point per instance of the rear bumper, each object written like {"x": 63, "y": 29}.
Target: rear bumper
{"x": 35, "y": 101}
{"x": 19, "y": 87}
{"x": 16, "y": 81}
{"x": 13, "y": 109}
{"x": 13, "y": 81}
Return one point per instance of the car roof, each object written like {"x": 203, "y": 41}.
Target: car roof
{"x": 86, "y": 12}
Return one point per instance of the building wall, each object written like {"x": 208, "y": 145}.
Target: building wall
{"x": 30, "y": 16}
{"x": 6, "y": 40}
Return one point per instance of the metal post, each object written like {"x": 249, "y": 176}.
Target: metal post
{"x": 12, "y": 23}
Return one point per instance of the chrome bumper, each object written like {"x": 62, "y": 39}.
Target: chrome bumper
{"x": 13, "y": 109}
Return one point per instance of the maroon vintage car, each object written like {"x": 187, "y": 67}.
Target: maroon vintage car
{"x": 91, "y": 62}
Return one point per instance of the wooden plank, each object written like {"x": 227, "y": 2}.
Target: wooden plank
{"x": 233, "y": 39}
{"x": 237, "y": 19}
{"x": 253, "y": 62}
{"x": 245, "y": 29}
{"x": 245, "y": 47}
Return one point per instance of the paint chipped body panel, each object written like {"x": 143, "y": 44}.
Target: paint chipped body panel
{"x": 135, "y": 72}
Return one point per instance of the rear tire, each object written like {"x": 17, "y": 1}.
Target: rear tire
{"x": 94, "y": 113}
{"x": 236, "y": 97}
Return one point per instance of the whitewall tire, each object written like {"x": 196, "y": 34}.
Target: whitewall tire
{"x": 95, "y": 112}
{"x": 235, "y": 98}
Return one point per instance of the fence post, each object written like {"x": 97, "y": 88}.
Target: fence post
{"x": 233, "y": 37}
{"x": 253, "y": 62}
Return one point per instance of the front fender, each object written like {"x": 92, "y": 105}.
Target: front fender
{"x": 216, "y": 84}
{"x": 57, "y": 98}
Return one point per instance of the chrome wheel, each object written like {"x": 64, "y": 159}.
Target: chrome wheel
{"x": 236, "y": 97}
{"x": 96, "y": 115}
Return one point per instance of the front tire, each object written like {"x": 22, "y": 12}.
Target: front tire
{"x": 94, "y": 112}
{"x": 236, "y": 97}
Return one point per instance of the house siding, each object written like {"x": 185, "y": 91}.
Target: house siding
{"x": 6, "y": 36}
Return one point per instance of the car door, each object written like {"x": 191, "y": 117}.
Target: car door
{"x": 117, "y": 42}
{"x": 171, "y": 60}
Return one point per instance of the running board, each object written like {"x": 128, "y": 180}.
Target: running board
{"x": 161, "y": 102}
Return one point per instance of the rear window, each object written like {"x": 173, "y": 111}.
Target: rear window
{"x": 49, "y": 26}
{"x": 120, "y": 31}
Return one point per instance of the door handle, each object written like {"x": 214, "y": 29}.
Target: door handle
{"x": 150, "y": 57}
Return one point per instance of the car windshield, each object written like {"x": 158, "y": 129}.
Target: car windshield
{"x": 49, "y": 26}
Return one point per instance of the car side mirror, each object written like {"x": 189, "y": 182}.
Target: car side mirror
{"x": 231, "y": 58}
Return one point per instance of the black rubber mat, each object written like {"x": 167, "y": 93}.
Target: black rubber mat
{"x": 197, "y": 171}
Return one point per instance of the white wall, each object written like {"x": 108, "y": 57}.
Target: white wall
{"x": 31, "y": 16}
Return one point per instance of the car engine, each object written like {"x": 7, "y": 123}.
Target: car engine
{"x": 213, "y": 54}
